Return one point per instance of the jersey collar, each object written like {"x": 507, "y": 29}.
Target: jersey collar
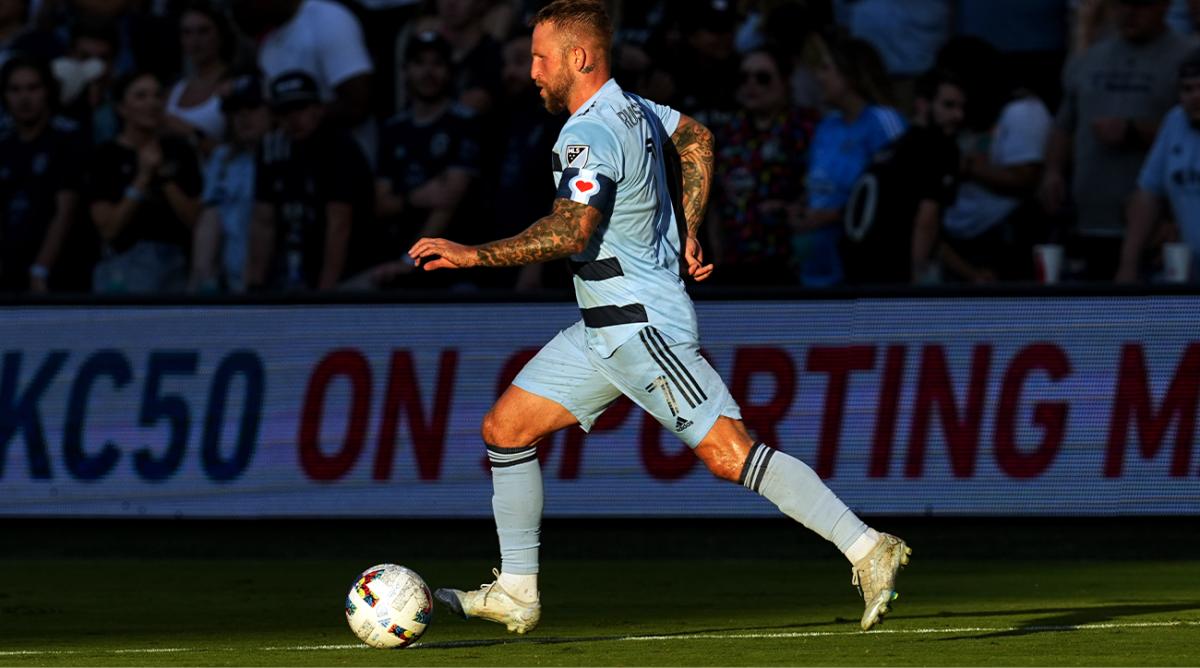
{"x": 609, "y": 86}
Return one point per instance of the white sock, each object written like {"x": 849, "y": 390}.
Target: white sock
{"x": 523, "y": 587}
{"x": 862, "y": 545}
{"x": 801, "y": 494}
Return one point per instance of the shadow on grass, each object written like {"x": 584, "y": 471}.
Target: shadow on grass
{"x": 1065, "y": 619}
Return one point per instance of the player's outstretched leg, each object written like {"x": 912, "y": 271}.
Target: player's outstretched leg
{"x": 730, "y": 453}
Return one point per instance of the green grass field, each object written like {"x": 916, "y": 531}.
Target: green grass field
{"x": 207, "y": 594}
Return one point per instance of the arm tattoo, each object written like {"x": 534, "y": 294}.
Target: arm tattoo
{"x": 562, "y": 233}
{"x": 695, "y": 145}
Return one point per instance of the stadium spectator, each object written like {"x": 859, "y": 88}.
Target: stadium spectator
{"x": 859, "y": 125}
{"x": 86, "y": 73}
{"x": 1031, "y": 35}
{"x": 325, "y": 40}
{"x": 704, "y": 67}
{"x": 987, "y": 230}
{"x": 895, "y": 211}
{"x": 314, "y": 205}
{"x": 794, "y": 28}
{"x": 907, "y": 35}
{"x": 221, "y": 238}
{"x": 1115, "y": 96}
{"x": 194, "y": 102}
{"x": 475, "y": 54}
{"x": 19, "y": 35}
{"x": 761, "y": 160}
{"x": 429, "y": 157}
{"x": 147, "y": 33}
{"x": 1170, "y": 175}
{"x": 1089, "y": 22}
{"x": 144, "y": 194}
{"x": 40, "y": 179}
{"x": 526, "y": 132}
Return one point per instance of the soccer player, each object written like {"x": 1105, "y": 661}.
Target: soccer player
{"x": 630, "y": 241}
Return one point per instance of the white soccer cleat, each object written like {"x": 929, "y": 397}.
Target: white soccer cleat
{"x": 493, "y": 603}
{"x": 875, "y": 577}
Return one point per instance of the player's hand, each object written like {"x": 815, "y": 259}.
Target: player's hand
{"x": 694, "y": 255}
{"x": 431, "y": 254}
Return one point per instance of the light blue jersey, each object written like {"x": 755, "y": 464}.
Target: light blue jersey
{"x": 609, "y": 155}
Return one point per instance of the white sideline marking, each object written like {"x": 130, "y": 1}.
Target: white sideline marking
{"x": 683, "y": 636}
{"x": 965, "y": 629}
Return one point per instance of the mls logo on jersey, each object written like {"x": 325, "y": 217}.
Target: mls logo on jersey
{"x": 577, "y": 155}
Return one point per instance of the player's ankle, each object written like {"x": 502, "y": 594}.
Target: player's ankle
{"x": 521, "y": 586}
{"x": 863, "y": 545}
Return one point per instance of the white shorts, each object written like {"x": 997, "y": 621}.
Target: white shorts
{"x": 671, "y": 380}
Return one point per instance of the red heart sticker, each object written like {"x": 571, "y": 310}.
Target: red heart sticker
{"x": 584, "y": 186}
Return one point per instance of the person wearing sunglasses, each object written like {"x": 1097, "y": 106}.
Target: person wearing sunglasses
{"x": 762, "y": 154}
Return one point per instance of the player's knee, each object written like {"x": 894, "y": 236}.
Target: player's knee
{"x": 502, "y": 433}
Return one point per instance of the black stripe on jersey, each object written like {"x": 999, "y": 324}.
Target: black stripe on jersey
{"x": 609, "y": 316}
{"x": 597, "y": 270}
{"x": 651, "y": 348}
{"x": 555, "y": 162}
{"x": 696, "y": 386}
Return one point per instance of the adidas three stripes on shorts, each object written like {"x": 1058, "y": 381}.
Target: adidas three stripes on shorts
{"x": 669, "y": 379}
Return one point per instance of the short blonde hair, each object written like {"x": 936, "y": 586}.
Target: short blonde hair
{"x": 577, "y": 19}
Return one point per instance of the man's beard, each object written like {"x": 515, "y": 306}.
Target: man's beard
{"x": 556, "y": 92}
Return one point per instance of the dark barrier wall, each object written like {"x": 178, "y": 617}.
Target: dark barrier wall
{"x": 1055, "y": 405}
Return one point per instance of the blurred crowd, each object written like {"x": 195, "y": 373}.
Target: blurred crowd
{"x": 232, "y": 146}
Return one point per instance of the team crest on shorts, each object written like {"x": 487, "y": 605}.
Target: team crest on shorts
{"x": 577, "y": 155}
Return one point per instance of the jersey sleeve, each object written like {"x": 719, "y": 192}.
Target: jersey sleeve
{"x": 669, "y": 117}
{"x": 1153, "y": 177}
{"x": 592, "y": 165}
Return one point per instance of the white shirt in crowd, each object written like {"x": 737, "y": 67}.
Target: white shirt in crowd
{"x": 205, "y": 117}
{"x": 325, "y": 40}
{"x": 1019, "y": 138}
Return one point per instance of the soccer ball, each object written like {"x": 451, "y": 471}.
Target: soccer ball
{"x": 389, "y": 606}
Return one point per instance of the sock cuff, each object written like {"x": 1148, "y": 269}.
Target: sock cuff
{"x": 756, "y": 466}
{"x": 504, "y": 457}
